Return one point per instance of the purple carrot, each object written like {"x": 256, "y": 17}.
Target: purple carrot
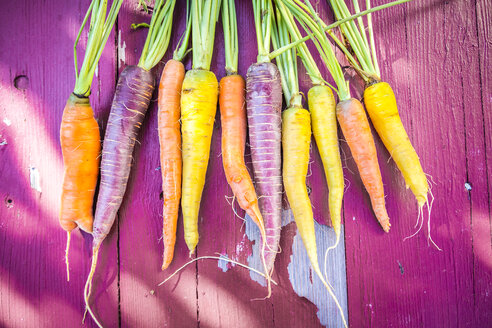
{"x": 264, "y": 105}
{"x": 130, "y": 103}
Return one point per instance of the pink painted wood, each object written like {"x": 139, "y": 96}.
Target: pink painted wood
{"x": 436, "y": 55}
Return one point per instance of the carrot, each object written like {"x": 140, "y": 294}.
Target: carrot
{"x": 264, "y": 105}
{"x": 81, "y": 145}
{"x": 170, "y": 144}
{"x": 296, "y": 141}
{"x": 170, "y": 151}
{"x": 198, "y": 106}
{"x": 264, "y": 100}
{"x": 357, "y": 133}
{"x": 381, "y": 105}
{"x": 233, "y": 123}
{"x": 322, "y": 106}
{"x": 130, "y": 103}
{"x": 79, "y": 132}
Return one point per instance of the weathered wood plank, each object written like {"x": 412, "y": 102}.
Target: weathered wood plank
{"x": 409, "y": 278}
{"x": 437, "y": 57}
{"x": 140, "y": 244}
{"x": 479, "y": 125}
{"x": 36, "y": 78}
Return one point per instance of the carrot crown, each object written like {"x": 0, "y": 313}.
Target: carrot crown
{"x": 204, "y": 15}
{"x": 229, "y": 24}
{"x": 159, "y": 34}
{"x": 99, "y": 29}
{"x": 286, "y": 62}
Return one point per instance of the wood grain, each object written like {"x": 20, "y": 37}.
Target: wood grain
{"x": 36, "y": 78}
{"x": 436, "y": 55}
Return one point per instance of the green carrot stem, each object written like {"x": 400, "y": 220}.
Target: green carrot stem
{"x": 99, "y": 30}
{"x": 140, "y": 25}
{"x": 205, "y": 14}
{"x": 158, "y": 35}
{"x": 305, "y": 14}
{"x": 229, "y": 24}
{"x": 303, "y": 52}
{"x": 286, "y": 62}
{"x": 263, "y": 14}
{"x": 277, "y": 52}
{"x": 371, "y": 39}
{"x": 182, "y": 48}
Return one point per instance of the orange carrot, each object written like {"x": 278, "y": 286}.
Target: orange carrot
{"x": 233, "y": 121}
{"x": 170, "y": 151}
{"x": 357, "y": 133}
{"x": 79, "y": 132}
{"x": 81, "y": 146}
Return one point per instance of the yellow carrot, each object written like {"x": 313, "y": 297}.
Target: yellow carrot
{"x": 322, "y": 106}
{"x": 296, "y": 139}
{"x": 381, "y": 105}
{"x": 198, "y": 106}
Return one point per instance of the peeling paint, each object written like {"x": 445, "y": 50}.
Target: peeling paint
{"x": 3, "y": 142}
{"x": 254, "y": 260}
{"x": 7, "y": 122}
{"x": 35, "y": 178}
{"x": 223, "y": 264}
{"x": 468, "y": 186}
{"x": 299, "y": 270}
{"x": 121, "y": 51}
{"x": 253, "y": 234}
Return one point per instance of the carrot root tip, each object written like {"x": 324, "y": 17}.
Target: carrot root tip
{"x": 66, "y": 255}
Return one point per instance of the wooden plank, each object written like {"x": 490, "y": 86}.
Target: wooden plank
{"x": 437, "y": 57}
{"x": 174, "y": 304}
{"x": 36, "y": 78}
{"x": 424, "y": 54}
{"x": 479, "y": 157}
{"x": 224, "y": 300}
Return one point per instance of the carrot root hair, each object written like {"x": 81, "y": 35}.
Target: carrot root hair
{"x": 332, "y": 294}
{"x": 88, "y": 286}
{"x": 337, "y": 241}
{"x": 69, "y": 233}
{"x": 268, "y": 274}
{"x": 214, "y": 258}
{"x": 421, "y": 219}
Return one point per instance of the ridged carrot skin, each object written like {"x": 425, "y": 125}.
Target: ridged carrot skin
{"x": 198, "y": 107}
{"x": 357, "y": 132}
{"x": 130, "y": 103}
{"x": 264, "y": 105}
{"x": 322, "y": 106}
{"x": 380, "y": 102}
{"x": 170, "y": 152}
{"x": 81, "y": 147}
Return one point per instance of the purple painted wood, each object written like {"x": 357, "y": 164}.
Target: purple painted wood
{"x": 36, "y": 78}
{"x": 437, "y": 57}
{"x": 428, "y": 51}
